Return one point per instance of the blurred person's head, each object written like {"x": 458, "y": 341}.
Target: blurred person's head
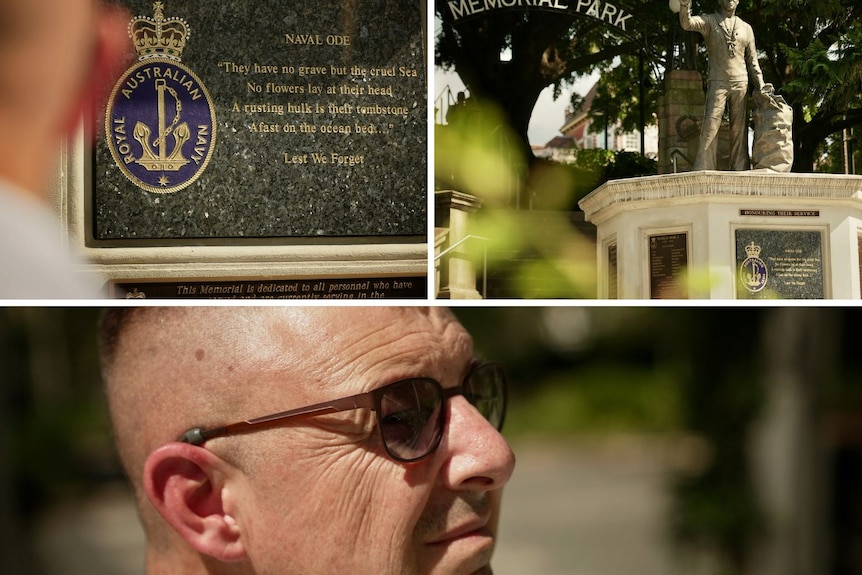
{"x": 328, "y": 493}
{"x": 56, "y": 58}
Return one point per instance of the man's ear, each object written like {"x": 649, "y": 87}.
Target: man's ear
{"x": 185, "y": 483}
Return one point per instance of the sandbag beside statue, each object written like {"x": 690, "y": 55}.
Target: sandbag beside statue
{"x": 773, "y": 132}
{"x": 733, "y": 66}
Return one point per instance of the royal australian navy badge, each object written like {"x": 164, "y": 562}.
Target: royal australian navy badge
{"x": 160, "y": 122}
{"x": 753, "y": 272}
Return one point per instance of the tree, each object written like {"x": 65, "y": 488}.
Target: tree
{"x": 507, "y": 58}
{"x": 813, "y": 56}
{"x": 810, "y": 51}
{"x": 619, "y": 99}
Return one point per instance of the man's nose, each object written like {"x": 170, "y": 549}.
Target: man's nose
{"x": 478, "y": 457}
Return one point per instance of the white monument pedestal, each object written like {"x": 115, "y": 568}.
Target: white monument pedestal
{"x": 728, "y": 235}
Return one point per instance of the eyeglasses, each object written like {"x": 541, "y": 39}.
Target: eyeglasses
{"x": 410, "y": 412}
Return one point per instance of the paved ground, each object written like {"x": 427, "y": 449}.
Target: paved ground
{"x": 595, "y": 509}
{"x": 576, "y": 510}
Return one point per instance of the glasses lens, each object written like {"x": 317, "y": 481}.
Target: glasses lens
{"x": 410, "y": 417}
{"x": 485, "y": 389}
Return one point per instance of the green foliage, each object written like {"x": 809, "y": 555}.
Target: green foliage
{"x": 618, "y": 96}
{"x": 598, "y": 398}
{"x": 813, "y": 56}
{"x": 830, "y": 156}
{"x": 545, "y": 49}
{"x": 723, "y": 394}
{"x": 54, "y": 414}
{"x": 630, "y": 165}
{"x": 476, "y": 154}
{"x": 606, "y": 165}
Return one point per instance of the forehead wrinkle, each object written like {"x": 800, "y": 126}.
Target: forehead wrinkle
{"x": 431, "y": 348}
{"x": 357, "y": 349}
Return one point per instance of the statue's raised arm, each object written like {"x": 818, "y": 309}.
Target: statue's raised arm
{"x": 689, "y": 22}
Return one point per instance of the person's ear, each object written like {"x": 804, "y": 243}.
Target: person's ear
{"x": 186, "y": 484}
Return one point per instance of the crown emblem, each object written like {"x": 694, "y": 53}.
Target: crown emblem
{"x": 159, "y": 37}
{"x": 752, "y": 250}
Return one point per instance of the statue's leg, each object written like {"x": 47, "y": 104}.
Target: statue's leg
{"x": 707, "y": 148}
{"x": 738, "y": 109}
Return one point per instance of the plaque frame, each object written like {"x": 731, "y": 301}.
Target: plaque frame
{"x": 608, "y": 271}
{"x": 224, "y": 259}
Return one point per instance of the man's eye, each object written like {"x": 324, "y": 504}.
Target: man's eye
{"x": 399, "y": 424}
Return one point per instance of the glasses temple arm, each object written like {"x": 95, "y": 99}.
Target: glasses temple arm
{"x": 199, "y": 435}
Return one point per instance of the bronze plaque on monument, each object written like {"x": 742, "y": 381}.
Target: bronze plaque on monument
{"x": 668, "y": 260}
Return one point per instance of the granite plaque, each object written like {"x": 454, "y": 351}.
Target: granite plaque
{"x": 409, "y": 287}
{"x": 779, "y": 264}
{"x": 244, "y": 121}
{"x": 668, "y": 260}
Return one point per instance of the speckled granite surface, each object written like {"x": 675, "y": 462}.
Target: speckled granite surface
{"x": 782, "y": 263}
{"x": 260, "y": 184}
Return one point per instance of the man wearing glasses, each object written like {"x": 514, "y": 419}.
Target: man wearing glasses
{"x": 307, "y": 440}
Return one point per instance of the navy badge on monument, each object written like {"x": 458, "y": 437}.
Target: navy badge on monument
{"x": 161, "y": 122}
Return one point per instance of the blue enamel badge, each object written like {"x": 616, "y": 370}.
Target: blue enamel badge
{"x": 160, "y": 123}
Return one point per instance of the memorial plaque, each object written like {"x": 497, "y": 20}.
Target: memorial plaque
{"x": 859, "y": 257}
{"x": 410, "y": 287}
{"x": 613, "y": 274}
{"x": 265, "y": 122}
{"x": 779, "y": 264}
{"x": 668, "y": 260}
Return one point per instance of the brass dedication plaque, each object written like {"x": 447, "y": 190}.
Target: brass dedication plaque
{"x": 668, "y": 260}
{"x": 408, "y": 287}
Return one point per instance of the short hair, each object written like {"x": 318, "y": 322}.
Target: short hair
{"x": 111, "y": 325}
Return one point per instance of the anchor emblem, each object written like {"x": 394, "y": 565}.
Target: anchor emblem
{"x": 160, "y": 122}
{"x": 158, "y": 160}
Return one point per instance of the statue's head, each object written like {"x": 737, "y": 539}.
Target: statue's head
{"x": 729, "y": 6}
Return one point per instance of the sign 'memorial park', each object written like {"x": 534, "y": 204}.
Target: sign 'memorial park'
{"x": 607, "y": 12}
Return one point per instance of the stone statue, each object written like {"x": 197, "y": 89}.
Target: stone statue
{"x": 773, "y": 132}
{"x": 732, "y": 64}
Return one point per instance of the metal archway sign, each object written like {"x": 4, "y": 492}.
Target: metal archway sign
{"x": 608, "y": 13}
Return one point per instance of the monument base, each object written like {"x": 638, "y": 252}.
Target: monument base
{"x": 728, "y": 235}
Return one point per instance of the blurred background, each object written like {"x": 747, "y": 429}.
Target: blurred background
{"x": 657, "y": 441}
